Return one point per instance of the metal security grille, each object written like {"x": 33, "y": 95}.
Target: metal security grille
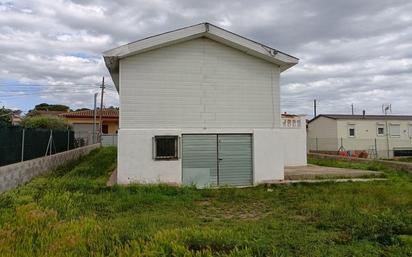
{"x": 217, "y": 160}
{"x": 166, "y": 147}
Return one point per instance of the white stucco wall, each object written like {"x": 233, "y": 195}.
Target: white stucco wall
{"x": 135, "y": 162}
{"x": 294, "y": 145}
{"x": 322, "y": 135}
{"x": 268, "y": 155}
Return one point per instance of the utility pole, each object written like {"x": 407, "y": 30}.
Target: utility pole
{"x": 385, "y": 109}
{"x": 352, "y": 108}
{"x": 101, "y": 112}
{"x": 314, "y": 107}
{"x": 94, "y": 118}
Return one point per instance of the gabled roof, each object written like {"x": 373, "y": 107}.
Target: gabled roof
{"x": 112, "y": 57}
{"x": 362, "y": 117}
{"x": 106, "y": 113}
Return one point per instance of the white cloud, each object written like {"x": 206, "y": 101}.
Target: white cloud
{"x": 351, "y": 51}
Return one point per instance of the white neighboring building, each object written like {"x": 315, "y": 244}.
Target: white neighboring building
{"x": 379, "y": 135}
{"x": 293, "y": 120}
{"x": 201, "y": 105}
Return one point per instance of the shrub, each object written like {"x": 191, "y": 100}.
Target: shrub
{"x": 47, "y": 122}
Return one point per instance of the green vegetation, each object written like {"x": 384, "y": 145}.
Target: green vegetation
{"x": 5, "y": 116}
{"x": 51, "y": 107}
{"x": 403, "y": 159}
{"x": 372, "y": 165}
{"x": 46, "y": 122}
{"x": 71, "y": 212}
{"x": 375, "y": 166}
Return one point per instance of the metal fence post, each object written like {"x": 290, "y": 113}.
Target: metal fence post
{"x": 51, "y": 141}
{"x": 22, "y": 143}
{"x": 49, "y": 144}
{"x": 376, "y": 149}
{"x": 68, "y": 139}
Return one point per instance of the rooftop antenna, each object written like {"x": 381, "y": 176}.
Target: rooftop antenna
{"x": 386, "y": 108}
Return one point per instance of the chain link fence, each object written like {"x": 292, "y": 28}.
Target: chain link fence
{"x": 376, "y": 148}
{"x": 109, "y": 139}
{"x": 84, "y": 138}
{"x": 21, "y": 144}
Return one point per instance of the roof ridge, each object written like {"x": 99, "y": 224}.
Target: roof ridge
{"x": 106, "y": 112}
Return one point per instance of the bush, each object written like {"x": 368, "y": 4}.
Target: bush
{"x": 47, "y": 122}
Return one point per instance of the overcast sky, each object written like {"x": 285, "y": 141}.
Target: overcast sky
{"x": 351, "y": 51}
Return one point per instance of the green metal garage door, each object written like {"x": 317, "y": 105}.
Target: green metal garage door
{"x": 217, "y": 160}
{"x": 235, "y": 160}
{"x": 199, "y": 160}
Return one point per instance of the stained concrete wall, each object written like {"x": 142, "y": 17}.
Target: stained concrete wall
{"x": 136, "y": 164}
{"x": 18, "y": 173}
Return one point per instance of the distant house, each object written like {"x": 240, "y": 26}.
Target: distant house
{"x": 83, "y": 122}
{"x": 379, "y": 135}
{"x": 16, "y": 118}
{"x": 292, "y": 120}
{"x": 201, "y": 105}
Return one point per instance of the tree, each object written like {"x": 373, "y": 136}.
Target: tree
{"x": 5, "y": 116}
{"x": 46, "y": 122}
{"x": 82, "y": 109}
{"x": 47, "y": 107}
{"x": 51, "y": 107}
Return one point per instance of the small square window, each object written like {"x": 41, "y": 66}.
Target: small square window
{"x": 381, "y": 131}
{"x": 351, "y": 131}
{"x": 165, "y": 147}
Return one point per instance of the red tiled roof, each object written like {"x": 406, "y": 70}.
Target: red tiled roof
{"x": 107, "y": 113}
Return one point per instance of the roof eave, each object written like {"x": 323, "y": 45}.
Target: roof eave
{"x": 320, "y": 115}
{"x": 112, "y": 57}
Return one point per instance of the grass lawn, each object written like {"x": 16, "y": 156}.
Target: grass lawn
{"x": 403, "y": 159}
{"x": 71, "y": 212}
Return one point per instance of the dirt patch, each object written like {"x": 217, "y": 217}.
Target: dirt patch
{"x": 112, "y": 179}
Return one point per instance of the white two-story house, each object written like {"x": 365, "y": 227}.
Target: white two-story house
{"x": 201, "y": 105}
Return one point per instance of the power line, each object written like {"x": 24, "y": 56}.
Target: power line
{"x": 110, "y": 87}
{"x": 58, "y": 84}
{"x": 54, "y": 94}
{"x": 7, "y": 93}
